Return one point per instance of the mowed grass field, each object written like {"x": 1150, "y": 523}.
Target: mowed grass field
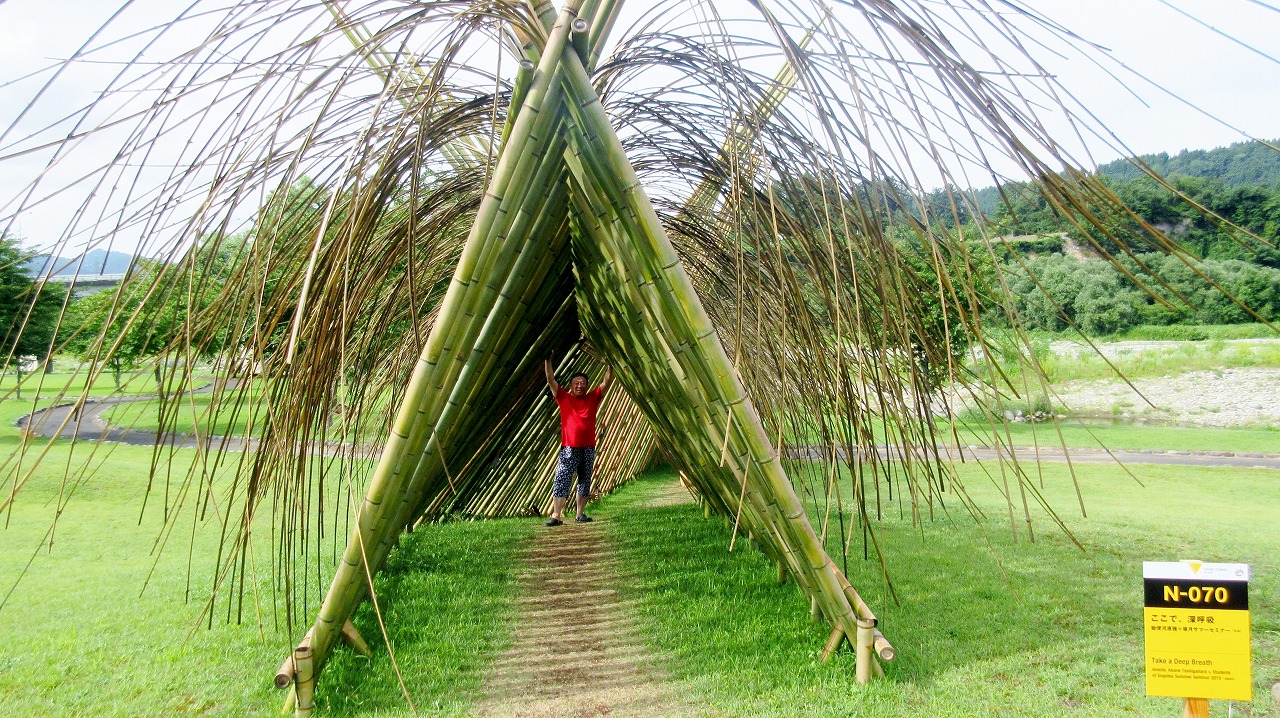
{"x": 986, "y": 623}
{"x": 96, "y": 623}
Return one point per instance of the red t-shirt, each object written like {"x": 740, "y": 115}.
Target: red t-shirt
{"x": 578, "y": 417}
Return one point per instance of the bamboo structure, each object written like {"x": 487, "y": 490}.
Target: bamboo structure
{"x": 731, "y": 217}
{"x": 507, "y": 303}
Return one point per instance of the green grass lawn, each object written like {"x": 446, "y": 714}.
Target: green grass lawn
{"x": 1006, "y": 629}
{"x": 232, "y": 416}
{"x": 51, "y": 386}
{"x": 192, "y": 412}
{"x": 81, "y": 638}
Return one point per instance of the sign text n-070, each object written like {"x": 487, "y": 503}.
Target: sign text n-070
{"x": 1196, "y": 624}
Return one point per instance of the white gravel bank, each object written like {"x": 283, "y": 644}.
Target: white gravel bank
{"x": 1230, "y": 397}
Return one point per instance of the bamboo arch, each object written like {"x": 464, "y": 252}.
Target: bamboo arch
{"x": 798, "y": 290}
{"x": 511, "y": 301}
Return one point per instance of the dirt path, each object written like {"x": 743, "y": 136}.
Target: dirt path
{"x": 576, "y": 649}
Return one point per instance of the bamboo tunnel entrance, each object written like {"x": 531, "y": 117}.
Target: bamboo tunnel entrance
{"x": 567, "y": 242}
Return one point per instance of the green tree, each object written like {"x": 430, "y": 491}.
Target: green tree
{"x": 28, "y": 310}
{"x": 146, "y": 316}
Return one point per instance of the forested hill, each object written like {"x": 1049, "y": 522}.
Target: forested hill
{"x": 1241, "y": 164}
{"x": 1244, "y": 164}
{"x": 1230, "y": 189}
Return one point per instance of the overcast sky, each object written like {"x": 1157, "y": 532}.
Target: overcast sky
{"x": 1241, "y": 86}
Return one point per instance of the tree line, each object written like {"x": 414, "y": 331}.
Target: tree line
{"x": 1223, "y": 255}
{"x": 1190, "y": 250}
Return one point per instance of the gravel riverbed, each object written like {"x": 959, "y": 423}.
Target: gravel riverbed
{"x": 1220, "y": 398}
{"x": 1247, "y": 396}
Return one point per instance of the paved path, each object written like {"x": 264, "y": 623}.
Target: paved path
{"x": 90, "y": 426}
{"x": 576, "y": 649}
{"x": 1224, "y": 459}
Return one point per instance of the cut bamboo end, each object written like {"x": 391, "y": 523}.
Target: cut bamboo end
{"x": 304, "y": 682}
{"x": 581, "y": 38}
{"x": 286, "y": 672}
{"x": 884, "y": 649}
{"x": 284, "y": 676}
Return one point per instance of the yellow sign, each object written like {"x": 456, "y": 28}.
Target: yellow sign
{"x": 1196, "y": 623}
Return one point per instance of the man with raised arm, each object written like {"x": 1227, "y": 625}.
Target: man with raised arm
{"x": 578, "y": 407}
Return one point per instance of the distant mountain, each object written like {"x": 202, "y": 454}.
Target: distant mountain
{"x": 1244, "y": 163}
{"x": 98, "y": 261}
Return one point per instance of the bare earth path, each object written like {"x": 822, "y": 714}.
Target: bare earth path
{"x": 576, "y": 649}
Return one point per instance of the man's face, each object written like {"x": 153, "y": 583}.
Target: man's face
{"x": 578, "y": 386}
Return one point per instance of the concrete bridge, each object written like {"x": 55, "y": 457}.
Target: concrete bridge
{"x": 85, "y": 284}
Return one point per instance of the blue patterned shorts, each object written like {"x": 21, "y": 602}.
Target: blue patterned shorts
{"x": 574, "y": 460}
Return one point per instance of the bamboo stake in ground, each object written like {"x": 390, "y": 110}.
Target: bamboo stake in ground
{"x": 864, "y": 645}
{"x": 304, "y": 682}
{"x": 353, "y": 638}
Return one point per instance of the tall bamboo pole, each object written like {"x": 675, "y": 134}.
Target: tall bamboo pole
{"x": 618, "y": 179}
{"x": 410, "y": 434}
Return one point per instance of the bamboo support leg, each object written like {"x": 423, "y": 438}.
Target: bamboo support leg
{"x": 353, "y": 638}
{"x": 833, "y": 643}
{"x": 815, "y": 611}
{"x": 304, "y": 682}
{"x": 864, "y": 645}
